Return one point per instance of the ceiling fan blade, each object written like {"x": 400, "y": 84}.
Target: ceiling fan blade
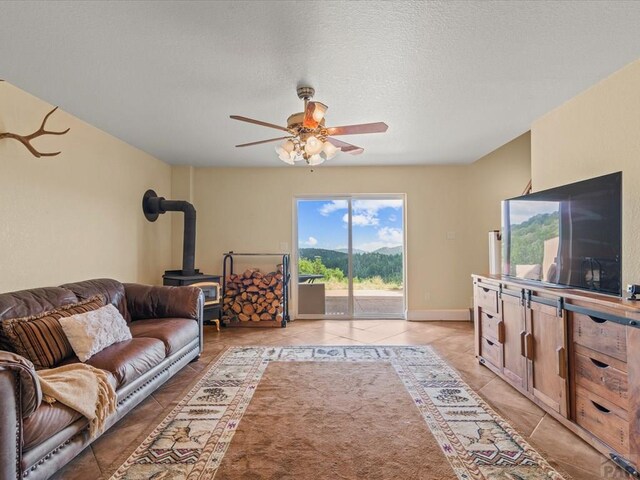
{"x": 262, "y": 141}
{"x": 314, "y": 114}
{"x": 378, "y": 127}
{"x": 346, "y": 147}
{"x": 258, "y": 122}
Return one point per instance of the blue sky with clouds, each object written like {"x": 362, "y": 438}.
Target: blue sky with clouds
{"x": 376, "y": 223}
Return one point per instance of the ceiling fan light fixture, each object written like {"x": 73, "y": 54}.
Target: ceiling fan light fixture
{"x": 329, "y": 150}
{"x": 286, "y": 157}
{"x": 313, "y": 145}
{"x": 315, "y": 160}
{"x": 288, "y": 146}
{"x": 318, "y": 112}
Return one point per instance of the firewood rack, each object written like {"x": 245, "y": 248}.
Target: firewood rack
{"x": 227, "y": 269}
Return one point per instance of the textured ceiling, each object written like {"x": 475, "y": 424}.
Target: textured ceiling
{"x": 453, "y": 80}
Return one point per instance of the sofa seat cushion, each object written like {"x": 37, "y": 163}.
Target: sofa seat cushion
{"x": 50, "y": 419}
{"x": 45, "y": 422}
{"x": 127, "y": 360}
{"x": 175, "y": 333}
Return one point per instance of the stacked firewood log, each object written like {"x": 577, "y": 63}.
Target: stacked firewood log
{"x": 252, "y": 296}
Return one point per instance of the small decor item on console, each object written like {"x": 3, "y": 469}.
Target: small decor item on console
{"x": 26, "y": 139}
{"x": 153, "y": 206}
{"x": 633, "y": 291}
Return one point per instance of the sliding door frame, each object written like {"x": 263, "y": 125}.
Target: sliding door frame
{"x": 349, "y": 198}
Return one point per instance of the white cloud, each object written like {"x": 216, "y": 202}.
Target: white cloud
{"x": 361, "y": 219}
{"x": 364, "y": 212}
{"x": 392, "y": 218}
{"x": 333, "y": 206}
{"x": 373, "y": 206}
{"x": 387, "y": 237}
{"x": 310, "y": 242}
{"x": 390, "y": 235}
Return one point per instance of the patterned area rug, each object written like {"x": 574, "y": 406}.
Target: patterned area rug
{"x": 190, "y": 443}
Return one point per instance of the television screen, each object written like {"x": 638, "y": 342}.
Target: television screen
{"x": 566, "y": 236}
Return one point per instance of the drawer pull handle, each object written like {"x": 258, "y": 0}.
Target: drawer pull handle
{"x": 486, "y": 290}
{"x": 489, "y": 342}
{"x": 523, "y": 349}
{"x": 600, "y": 407}
{"x": 488, "y": 316}
{"x": 597, "y": 319}
{"x": 598, "y": 363}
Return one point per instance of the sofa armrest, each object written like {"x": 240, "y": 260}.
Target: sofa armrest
{"x": 26, "y": 385}
{"x": 146, "y": 301}
{"x": 21, "y": 396}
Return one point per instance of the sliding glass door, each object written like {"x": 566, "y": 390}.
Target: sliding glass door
{"x": 350, "y": 256}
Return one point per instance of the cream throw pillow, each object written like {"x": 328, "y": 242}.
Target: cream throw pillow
{"x": 91, "y": 332}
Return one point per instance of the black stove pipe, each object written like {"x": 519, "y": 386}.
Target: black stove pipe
{"x": 153, "y": 206}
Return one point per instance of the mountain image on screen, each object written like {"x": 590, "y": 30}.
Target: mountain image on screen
{"x": 527, "y": 238}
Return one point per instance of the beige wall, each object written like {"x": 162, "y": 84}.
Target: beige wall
{"x": 78, "y": 215}
{"x": 504, "y": 173}
{"x": 596, "y": 133}
{"x": 251, "y": 209}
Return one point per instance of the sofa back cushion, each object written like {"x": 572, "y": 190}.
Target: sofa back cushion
{"x": 41, "y": 338}
{"x": 31, "y": 303}
{"x": 111, "y": 290}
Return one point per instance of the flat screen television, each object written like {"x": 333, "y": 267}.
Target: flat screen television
{"x": 569, "y": 236}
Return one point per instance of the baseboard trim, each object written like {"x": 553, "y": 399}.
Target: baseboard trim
{"x": 457, "y": 315}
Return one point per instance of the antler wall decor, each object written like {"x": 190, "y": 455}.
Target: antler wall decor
{"x": 26, "y": 139}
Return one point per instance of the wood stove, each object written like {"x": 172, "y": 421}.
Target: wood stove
{"x": 153, "y": 206}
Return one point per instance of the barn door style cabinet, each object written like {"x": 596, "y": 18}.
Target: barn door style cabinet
{"x": 575, "y": 354}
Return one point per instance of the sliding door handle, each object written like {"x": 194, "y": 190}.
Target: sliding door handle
{"x": 528, "y": 340}
{"x": 501, "y": 331}
{"x": 523, "y": 346}
{"x": 562, "y": 369}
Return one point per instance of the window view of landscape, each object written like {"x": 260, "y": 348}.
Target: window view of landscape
{"x": 377, "y": 249}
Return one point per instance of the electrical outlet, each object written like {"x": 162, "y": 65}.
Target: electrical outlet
{"x": 427, "y": 296}
{"x": 451, "y": 235}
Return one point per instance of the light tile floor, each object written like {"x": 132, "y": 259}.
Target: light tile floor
{"x": 453, "y": 340}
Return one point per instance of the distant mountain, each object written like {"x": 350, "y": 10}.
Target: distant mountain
{"x": 346, "y": 250}
{"x": 389, "y": 250}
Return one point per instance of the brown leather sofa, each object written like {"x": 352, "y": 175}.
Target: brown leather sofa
{"x": 37, "y": 439}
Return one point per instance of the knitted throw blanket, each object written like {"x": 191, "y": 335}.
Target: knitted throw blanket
{"x": 82, "y": 387}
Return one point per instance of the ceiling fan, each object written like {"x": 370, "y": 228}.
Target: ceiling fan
{"x": 308, "y": 139}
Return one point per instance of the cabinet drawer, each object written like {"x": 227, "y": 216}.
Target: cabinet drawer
{"x": 600, "y": 335}
{"x": 487, "y": 299}
{"x": 599, "y": 417}
{"x": 491, "y": 352}
{"x": 597, "y": 376}
{"x": 490, "y": 326}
